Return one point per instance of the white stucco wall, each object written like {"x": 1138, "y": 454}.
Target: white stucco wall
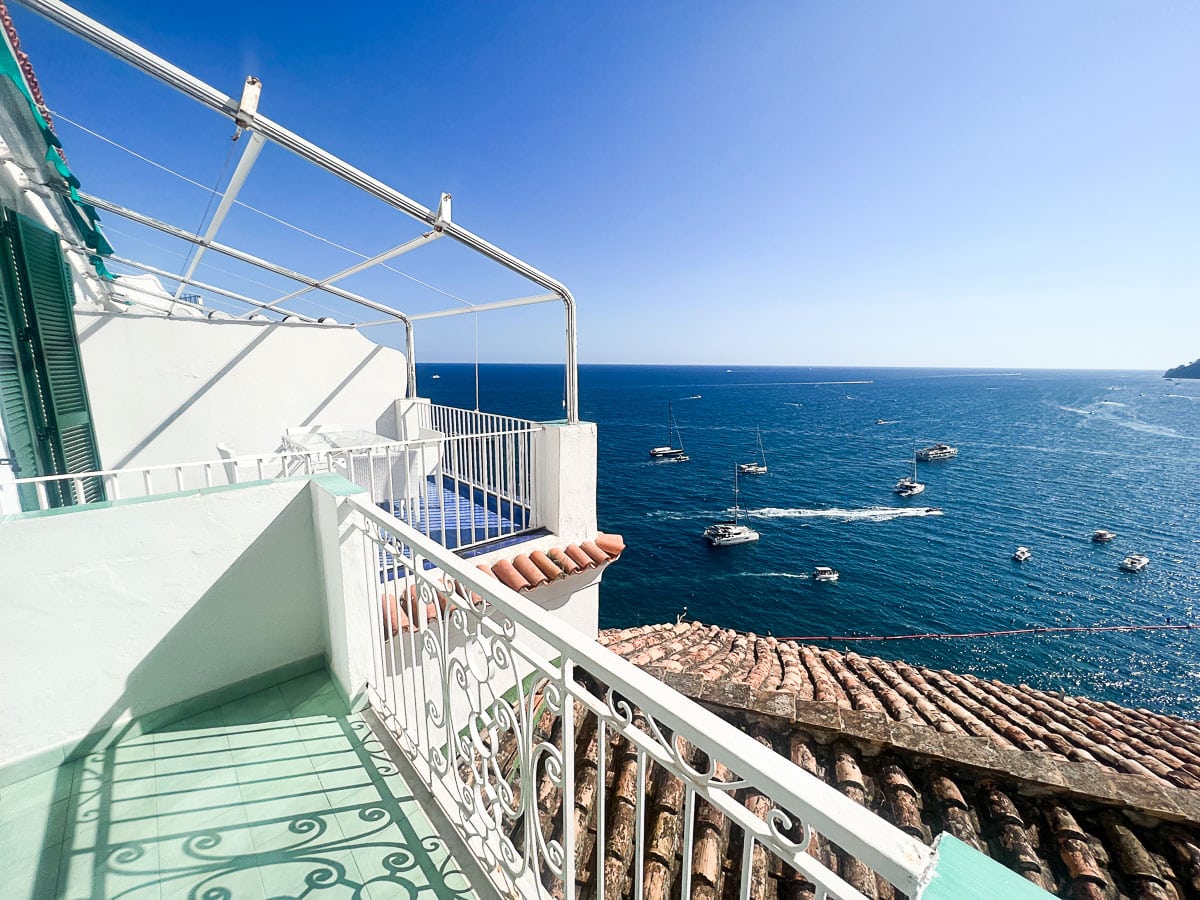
{"x": 167, "y": 390}
{"x": 110, "y": 613}
{"x": 566, "y": 482}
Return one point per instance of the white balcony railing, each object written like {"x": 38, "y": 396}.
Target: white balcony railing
{"x": 509, "y": 718}
{"x": 468, "y": 478}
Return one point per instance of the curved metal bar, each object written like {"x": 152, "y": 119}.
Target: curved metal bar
{"x": 141, "y": 58}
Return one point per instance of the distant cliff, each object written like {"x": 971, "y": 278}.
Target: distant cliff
{"x": 1191, "y": 370}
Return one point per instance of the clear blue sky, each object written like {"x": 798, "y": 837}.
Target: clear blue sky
{"x": 931, "y": 183}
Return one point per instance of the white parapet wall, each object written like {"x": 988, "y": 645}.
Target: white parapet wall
{"x": 167, "y": 390}
{"x": 566, "y": 480}
{"x": 111, "y": 613}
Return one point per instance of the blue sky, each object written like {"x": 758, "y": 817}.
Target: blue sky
{"x": 931, "y": 183}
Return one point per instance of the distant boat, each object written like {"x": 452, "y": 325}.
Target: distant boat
{"x": 825, "y": 573}
{"x": 1100, "y": 536}
{"x": 887, "y": 421}
{"x": 671, "y": 452}
{"x": 724, "y": 534}
{"x": 936, "y": 452}
{"x": 1022, "y": 554}
{"x": 437, "y": 376}
{"x": 909, "y": 487}
{"x": 756, "y": 468}
{"x": 1134, "y": 562}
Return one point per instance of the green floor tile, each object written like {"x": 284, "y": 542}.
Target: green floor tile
{"x": 279, "y": 794}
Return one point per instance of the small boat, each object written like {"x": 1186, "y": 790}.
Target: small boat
{"x": 909, "y": 487}
{"x": 825, "y": 573}
{"x": 756, "y": 468}
{"x": 724, "y": 534}
{"x": 937, "y": 452}
{"x": 669, "y": 451}
{"x": 436, "y": 376}
{"x": 1021, "y": 554}
{"x": 1100, "y": 536}
{"x": 1134, "y": 562}
{"x": 887, "y": 421}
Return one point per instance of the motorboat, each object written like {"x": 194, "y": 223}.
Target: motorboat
{"x": 669, "y": 451}
{"x": 937, "y": 452}
{"x": 825, "y": 573}
{"x": 1022, "y": 554}
{"x": 887, "y": 421}
{"x": 1134, "y": 562}
{"x": 725, "y": 534}
{"x": 909, "y": 486}
{"x": 756, "y": 468}
{"x": 1101, "y": 536}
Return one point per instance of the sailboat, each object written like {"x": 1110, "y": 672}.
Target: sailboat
{"x": 670, "y": 452}
{"x": 756, "y": 468}
{"x": 910, "y": 487}
{"x": 723, "y": 534}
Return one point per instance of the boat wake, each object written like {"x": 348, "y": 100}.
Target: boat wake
{"x": 1105, "y": 412}
{"x": 801, "y": 575}
{"x": 866, "y": 514}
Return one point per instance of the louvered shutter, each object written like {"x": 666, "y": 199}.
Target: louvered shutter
{"x": 48, "y": 359}
{"x": 15, "y": 406}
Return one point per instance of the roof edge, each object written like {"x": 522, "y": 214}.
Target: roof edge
{"x": 1029, "y": 768}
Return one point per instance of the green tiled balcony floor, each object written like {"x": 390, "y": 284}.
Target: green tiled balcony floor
{"x": 280, "y": 794}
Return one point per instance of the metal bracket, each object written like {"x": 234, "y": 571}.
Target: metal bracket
{"x": 248, "y": 108}
{"x": 442, "y": 216}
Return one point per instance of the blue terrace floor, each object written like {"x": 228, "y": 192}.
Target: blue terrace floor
{"x": 283, "y": 793}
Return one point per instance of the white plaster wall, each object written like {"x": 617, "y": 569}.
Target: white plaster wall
{"x": 166, "y": 390}
{"x": 111, "y": 613}
{"x": 567, "y": 480}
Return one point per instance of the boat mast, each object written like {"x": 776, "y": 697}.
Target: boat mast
{"x": 735, "y": 494}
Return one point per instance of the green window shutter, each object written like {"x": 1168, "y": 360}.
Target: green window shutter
{"x": 48, "y": 358}
{"x": 15, "y": 406}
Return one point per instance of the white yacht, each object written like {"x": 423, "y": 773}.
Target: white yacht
{"x": 1101, "y": 536}
{"x": 724, "y": 534}
{"x": 1022, "y": 554}
{"x": 825, "y": 573}
{"x": 756, "y": 468}
{"x": 1134, "y": 562}
{"x": 669, "y": 451}
{"x": 936, "y": 452}
{"x": 909, "y": 486}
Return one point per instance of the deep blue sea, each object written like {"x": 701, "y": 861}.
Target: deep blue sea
{"x": 1044, "y": 459}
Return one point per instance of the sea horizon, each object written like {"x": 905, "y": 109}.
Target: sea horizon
{"x": 1045, "y": 458}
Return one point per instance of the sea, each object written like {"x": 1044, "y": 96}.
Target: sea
{"x": 1045, "y": 458}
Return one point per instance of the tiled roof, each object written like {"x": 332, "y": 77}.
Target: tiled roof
{"x": 26, "y": 66}
{"x": 866, "y": 691}
{"x": 523, "y": 572}
{"x": 925, "y": 750}
{"x": 528, "y": 571}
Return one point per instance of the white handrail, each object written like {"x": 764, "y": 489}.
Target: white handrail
{"x": 464, "y": 629}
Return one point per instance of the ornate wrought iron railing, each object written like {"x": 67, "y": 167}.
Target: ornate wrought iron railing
{"x": 538, "y": 744}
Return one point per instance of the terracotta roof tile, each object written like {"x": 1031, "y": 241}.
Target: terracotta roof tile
{"x": 1008, "y": 717}
{"x": 527, "y": 572}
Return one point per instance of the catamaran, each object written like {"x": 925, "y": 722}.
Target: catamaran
{"x": 909, "y": 486}
{"x": 756, "y": 468}
{"x": 670, "y": 451}
{"x": 723, "y": 534}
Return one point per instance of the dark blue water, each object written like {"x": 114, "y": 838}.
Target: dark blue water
{"x": 1044, "y": 459}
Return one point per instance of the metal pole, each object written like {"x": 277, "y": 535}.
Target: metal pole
{"x": 233, "y": 253}
{"x": 426, "y": 238}
{"x": 240, "y": 174}
{"x": 241, "y": 298}
{"x": 139, "y": 57}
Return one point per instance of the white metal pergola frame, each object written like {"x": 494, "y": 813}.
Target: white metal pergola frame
{"x": 245, "y": 114}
